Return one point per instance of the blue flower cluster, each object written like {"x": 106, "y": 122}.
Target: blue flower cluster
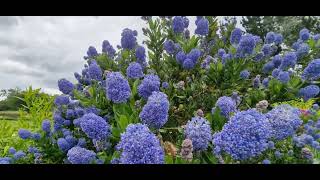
{"x": 155, "y": 112}
{"x": 141, "y": 56}
{"x": 236, "y": 35}
{"x": 128, "y": 39}
{"x": 303, "y": 50}
{"x": 202, "y": 27}
{"x": 108, "y": 49}
{"x": 178, "y": 24}
{"x": 244, "y": 74}
{"x": 244, "y": 136}
{"x": 95, "y": 71}
{"x": 304, "y": 34}
{"x": 199, "y": 132}
{"x": 65, "y": 86}
{"x": 95, "y": 127}
{"x": 246, "y": 45}
{"x": 169, "y": 46}
{"x": 312, "y": 71}
{"x": 270, "y": 37}
{"x": 283, "y": 76}
{"x": 308, "y": 92}
{"x": 149, "y": 84}
{"x": 139, "y": 146}
{"x": 118, "y": 89}
{"x": 289, "y": 60}
{"x": 134, "y": 70}
{"x": 284, "y": 120}
{"x": 226, "y": 105}
{"x": 78, "y": 155}
{"x": 92, "y": 52}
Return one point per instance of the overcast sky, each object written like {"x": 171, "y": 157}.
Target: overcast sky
{"x": 38, "y": 51}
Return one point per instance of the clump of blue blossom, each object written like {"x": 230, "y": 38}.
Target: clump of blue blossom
{"x": 199, "y": 132}
{"x": 284, "y": 120}
{"x": 149, "y": 84}
{"x": 139, "y": 146}
{"x": 155, "y": 112}
{"x": 244, "y": 136}
{"x": 118, "y": 89}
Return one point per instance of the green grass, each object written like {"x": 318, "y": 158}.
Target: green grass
{"x": 9, "y": 115}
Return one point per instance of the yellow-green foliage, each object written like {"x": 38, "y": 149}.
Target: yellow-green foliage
{"x": 298, "y": 103}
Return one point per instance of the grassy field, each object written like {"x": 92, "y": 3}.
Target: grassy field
{"x": 9, "y": 115}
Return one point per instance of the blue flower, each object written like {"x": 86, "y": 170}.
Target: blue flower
{"x": 304, "y": 34}
{"x": 202, "y": 27}
{"x": 283, "y": 77}
{"x": 169, "y": 46}
{"x": 18, "y": 155}
{"x": 289, "y": 60}
{"x": 188, "y": 64}
{"x": 24, "y": 134}
{"x": 271, "y": 145}
{"x": 33, "y": 150}
{"x": 139, "y": 146}
{"x": 178, "y": 24}
{"x": 265, "y": 82}
{"x": 312, "y": 71}
{"x": 244, "y": 136}
{"x": 180, "y": 57}
{"x": 267, "y": 49}
{"x": 61, "y": 100}
{"x": 296, "y": 45}
{"x": 128, "y": 39}
{"x": 236, "y": 35}
{"x": 71, "y": 140}
{"x": 270, "y": 37}
{"x": 259, "y": 56}
{"x": 95, "y": 71}
{"x": 65, "y": 86}
{"x": 226, "y": 106}
{"x": 194, "y": 55}
{"x": 316, "y": 37}
{"x": 46, "y": 126}
{"x": 186, "y": 21}
{"x": 82, "y": 142}
{"x": 141, "y": 55}
{"x": 165, "y": 85}
{"x": 12, "y": 150}
{"x": 108, "y": 49}
{"x": 221, "y": 52}
{"x": 36, "y": 136}
{"x": 246, "y": 45}
{"x": 284, "y": 121}
{"x": 278, "y": 38}
{"x": 78, "y": 155}
{"x": 308, "y": 92}
{"x": 256, "y": 82}
{"x": 63, "y": 144}
{"x": 244, "y": 74}
{"x": 303, "y": 50}
{"x": 155, "y": 112}
{"x": 92, "y": 51}
{"x": 199, "y": 132}
{"x": 95, "y": 127}
{"x": 266, "y": 161}
{"x": 275, "y": 73}
{"x": 268, "y": 67}
{"x": 149, "y": 84}
{"x": 277, "y": 61}
{"x": 70, "y": 114}
{"x": 277, "y": 154}
{"x": 226, "y": 57}
{"x": 118, "y": 89}
{"x": 134, "y": 70}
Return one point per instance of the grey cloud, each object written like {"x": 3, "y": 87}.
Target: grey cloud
{"x": 8, "y": 21}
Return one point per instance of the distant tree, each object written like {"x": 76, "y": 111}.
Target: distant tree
{"x": 11, "y": 101}
{"x": 288, "y": 26}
